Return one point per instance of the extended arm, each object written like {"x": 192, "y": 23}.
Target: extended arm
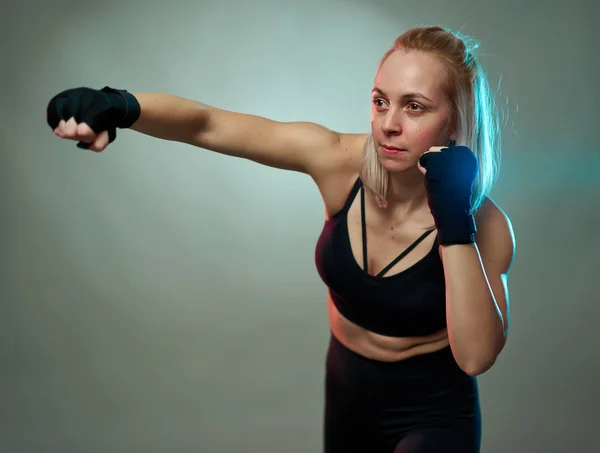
{"x": 298, "y": 146}
{"x": 91, "y": 117}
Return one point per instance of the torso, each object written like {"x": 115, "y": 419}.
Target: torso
{"x": 387, "y": 236}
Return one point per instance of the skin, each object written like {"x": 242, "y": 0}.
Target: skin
{"x": 477, "y": 307}
{"x": 476, "y": 274}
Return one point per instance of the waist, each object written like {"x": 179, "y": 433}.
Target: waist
{"x": 432, "y": 369}
{"x": 380, "y": 347}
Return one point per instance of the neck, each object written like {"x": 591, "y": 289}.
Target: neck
{"x": 406, "y": 191}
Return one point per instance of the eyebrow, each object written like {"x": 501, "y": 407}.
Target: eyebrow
{"x": 404, "y": 96}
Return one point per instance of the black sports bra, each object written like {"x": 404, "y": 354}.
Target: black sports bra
{"x": 409, "y": 303}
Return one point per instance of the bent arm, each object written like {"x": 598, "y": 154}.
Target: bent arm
{"x": 300, "y": 146}
{"x": 478, "y": 307}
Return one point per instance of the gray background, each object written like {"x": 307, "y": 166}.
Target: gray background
{"x": 158, "y": 297}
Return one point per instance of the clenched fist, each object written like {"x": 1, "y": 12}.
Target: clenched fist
{"x": 91, "y": 117}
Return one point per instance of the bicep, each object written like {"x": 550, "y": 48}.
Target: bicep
{"x": 297, "y": 146}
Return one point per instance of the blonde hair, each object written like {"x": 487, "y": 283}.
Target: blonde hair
{"x": 473, "y": 109}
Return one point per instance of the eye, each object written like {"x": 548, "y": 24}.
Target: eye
{"x": 416, "y": 107}
{"x": 378, "y": 102}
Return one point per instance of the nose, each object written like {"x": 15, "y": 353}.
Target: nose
{"x": 391, "y": 123}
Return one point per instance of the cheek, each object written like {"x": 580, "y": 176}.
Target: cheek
{"x": 425, "y": 133}
{"x": 418, "y": 133}
{"x": 376, "y": 124}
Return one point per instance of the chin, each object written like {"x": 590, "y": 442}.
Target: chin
{"x": 397, "y": 165}
{"x": 394, "y": 167}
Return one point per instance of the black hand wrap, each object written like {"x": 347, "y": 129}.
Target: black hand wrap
{"x": 102, "y": 110}
{"x": 449, "y": 182}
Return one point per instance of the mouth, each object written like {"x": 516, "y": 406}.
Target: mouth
{"x": 392, "y": 149}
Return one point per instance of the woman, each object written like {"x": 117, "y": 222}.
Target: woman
{"x": 414, "y": 253}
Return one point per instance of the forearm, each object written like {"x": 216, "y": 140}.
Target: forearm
{"x": 170, "y": 117}
{"x": 476, "y": 328}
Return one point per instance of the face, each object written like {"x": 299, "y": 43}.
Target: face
{"x": 410, "y": 110}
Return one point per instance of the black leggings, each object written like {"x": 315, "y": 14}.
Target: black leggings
{"x": 424, "y": 404}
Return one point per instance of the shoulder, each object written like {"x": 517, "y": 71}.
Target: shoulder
{"x": 495, "y": 235}
{"x": 336, "y": 176}
{"x": 490, "y": 211}
{"x": 343, "y": 157}
{"x": 350, "y": 149}
{"x": 353, "y": 140}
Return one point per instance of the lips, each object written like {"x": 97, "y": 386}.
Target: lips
{"x": 392, "y": 149}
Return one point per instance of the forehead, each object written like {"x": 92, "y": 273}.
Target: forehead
{"x": 411, "y": 71}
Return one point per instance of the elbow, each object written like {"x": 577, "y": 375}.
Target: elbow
{"x": 477, "y": 368}
{"x": 478, "y": 362}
